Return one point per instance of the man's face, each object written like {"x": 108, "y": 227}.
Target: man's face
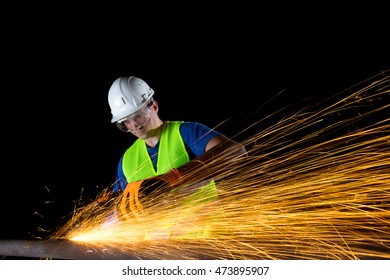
{"x": 135, "y": 122}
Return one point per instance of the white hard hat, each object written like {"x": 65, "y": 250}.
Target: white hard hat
{"x": 127, "y": 95}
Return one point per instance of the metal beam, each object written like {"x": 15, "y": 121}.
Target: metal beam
{"x": 71, "y": 250}
{"x": 59, "y": 249}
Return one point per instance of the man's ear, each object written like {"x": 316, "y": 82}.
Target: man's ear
{"x": 154, "y": 106}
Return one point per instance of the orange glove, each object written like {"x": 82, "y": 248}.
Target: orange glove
{"x": 172, "y": 178}
{"x": 105, "y": 197}
{"x": 168, "y": 181}
{"x": 130, "y": 200}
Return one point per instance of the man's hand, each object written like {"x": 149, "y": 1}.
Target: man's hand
{"x": 130, "y": 200}
{"x": 173, "y": 178}
{"x": 162, "y": 183}
{"x": 105, "y": 197}
{"x": 157, "y": 185}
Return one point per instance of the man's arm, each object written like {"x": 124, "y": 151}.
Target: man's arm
{"x": 220, "y": 152}
{"x": 220, "y": 159}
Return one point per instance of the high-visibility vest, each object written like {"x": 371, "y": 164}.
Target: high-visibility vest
{"x": 137, "y": 164}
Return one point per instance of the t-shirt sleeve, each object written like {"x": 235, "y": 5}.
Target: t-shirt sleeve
{"x": 120, "y": 182}
{"x": 196, "y": 136}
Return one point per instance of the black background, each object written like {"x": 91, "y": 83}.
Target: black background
{"x": 205, "y": 64}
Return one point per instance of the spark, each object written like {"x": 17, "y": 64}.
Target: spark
{"x": 315, "y": 185}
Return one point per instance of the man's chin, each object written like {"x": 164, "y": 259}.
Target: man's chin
{"x": 141, "y": 135}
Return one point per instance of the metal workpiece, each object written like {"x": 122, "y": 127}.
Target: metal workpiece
{"x": 58, "y": 249}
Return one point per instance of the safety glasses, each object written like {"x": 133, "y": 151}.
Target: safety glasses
{"x": 138, "y": 119}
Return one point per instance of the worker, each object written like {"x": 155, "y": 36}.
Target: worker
{"x": 166, "y": 154}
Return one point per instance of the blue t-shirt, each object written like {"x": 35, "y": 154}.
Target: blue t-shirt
{"x": 195, "y": 137}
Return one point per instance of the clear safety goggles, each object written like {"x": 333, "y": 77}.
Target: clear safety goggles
{"x": 138, "y": 119}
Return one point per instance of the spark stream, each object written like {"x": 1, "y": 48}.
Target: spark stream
{"x": 315, "y": 185}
